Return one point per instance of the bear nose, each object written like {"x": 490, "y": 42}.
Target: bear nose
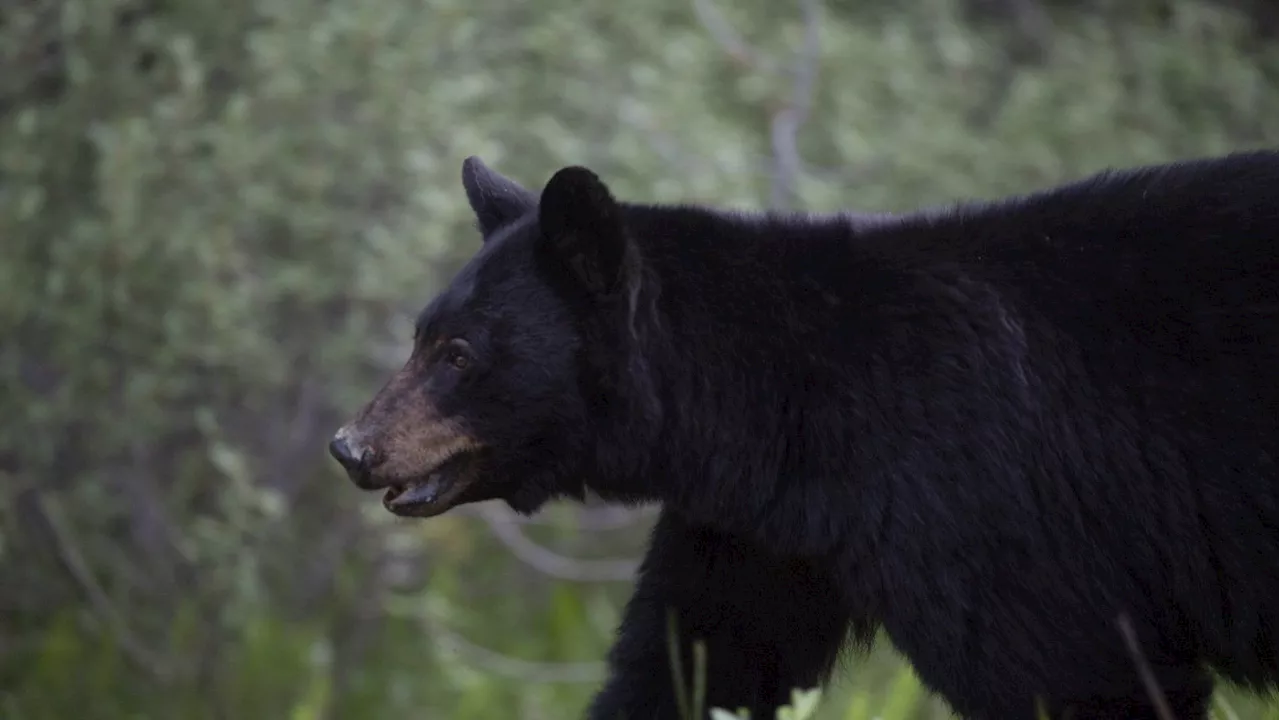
{"x": 350, "y": 457}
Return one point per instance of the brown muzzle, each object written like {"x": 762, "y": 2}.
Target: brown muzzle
{"x": 399, "y": 437}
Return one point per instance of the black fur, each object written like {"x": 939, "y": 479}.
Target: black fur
{"x": 989, "y": 429}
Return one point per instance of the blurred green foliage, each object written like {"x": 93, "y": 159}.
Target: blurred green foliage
{"x": 217, "y": 218}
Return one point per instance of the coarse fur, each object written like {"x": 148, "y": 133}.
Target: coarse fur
{"x": 989, "y": 429}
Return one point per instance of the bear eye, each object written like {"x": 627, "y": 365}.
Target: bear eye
{"x": 457, "y": 354}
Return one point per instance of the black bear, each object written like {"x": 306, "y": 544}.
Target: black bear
{"x": 992, "y": 430}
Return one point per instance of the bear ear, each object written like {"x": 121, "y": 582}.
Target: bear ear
{"x": 582, "y": 226}
{"x": 496, "y": 200}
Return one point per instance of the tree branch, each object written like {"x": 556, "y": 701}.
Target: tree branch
{"x": 787, "y": 122}
{"x": 524, "y": 670}
{"x": 591, "y": 519}
{"x": 68, "y": 551}
{"x": 726, "y": 37}
{"x": 528, "y": 671}
{"x": 551, "y": 563}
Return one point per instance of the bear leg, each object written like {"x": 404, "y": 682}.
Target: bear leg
{"x": 769, "y": 624}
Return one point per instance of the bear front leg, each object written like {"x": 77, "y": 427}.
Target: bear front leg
{"x": 769, "y": 624}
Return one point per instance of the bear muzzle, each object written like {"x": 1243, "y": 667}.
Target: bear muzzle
{"x": 423, "y": 474}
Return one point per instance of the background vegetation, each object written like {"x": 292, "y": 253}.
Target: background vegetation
{"x": 217, "y": 217}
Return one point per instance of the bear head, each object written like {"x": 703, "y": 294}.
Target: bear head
{"x": 520, "y": 365}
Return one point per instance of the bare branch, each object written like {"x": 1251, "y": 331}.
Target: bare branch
{"x": 1144, "y": 669}
{"x": 515, "y": 668}
{"x": 787, "y": 122}
{"x": 612, "y": 517}
{"x": 725, "y": 36}
{"x": 675, "y": 154}
{"x": 69, "y": 552}
{"x": 592, "y": 519}
{"x": 496, "y": 662}
{"x": 551, "y": 563}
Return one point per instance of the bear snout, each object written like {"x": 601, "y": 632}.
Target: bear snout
{"x": 355, "y": 457}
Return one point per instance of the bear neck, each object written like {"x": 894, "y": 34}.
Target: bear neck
{"x": 722, "y": 397}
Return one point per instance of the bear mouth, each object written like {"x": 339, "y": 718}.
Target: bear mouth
{"x": 435, "y": 492}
